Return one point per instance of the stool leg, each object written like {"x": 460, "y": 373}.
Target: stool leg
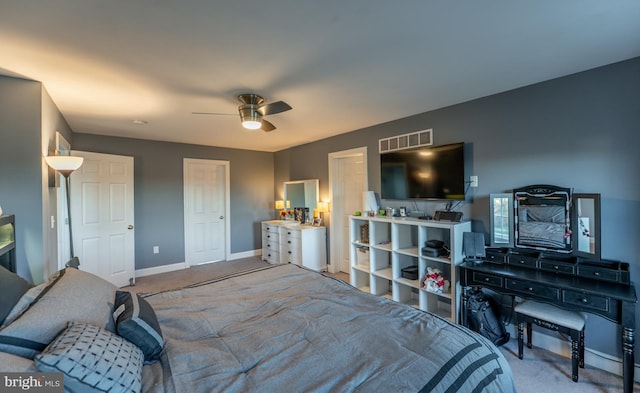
{"x": 529, "y": 335}
{"x": 582, "y": 348}
{"x": 520, "y": 338}
{"x": 575, "y": 355}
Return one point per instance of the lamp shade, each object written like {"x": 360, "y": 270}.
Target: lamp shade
{"x": 64, "y": 164}
{"x": 279, "y": 205}
{"x": 323, "y": 207}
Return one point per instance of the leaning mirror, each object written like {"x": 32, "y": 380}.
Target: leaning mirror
{"x": 586, "y": 231}
{"x": 501, "y": 208}
{"x": 301, "y": 193}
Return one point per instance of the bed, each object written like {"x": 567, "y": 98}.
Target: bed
{"x": 281, "y": 328}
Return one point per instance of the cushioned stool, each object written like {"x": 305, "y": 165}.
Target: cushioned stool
{"x": 554, "y": 318}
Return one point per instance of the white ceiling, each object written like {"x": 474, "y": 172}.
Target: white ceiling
{"x": 341, "y": 64}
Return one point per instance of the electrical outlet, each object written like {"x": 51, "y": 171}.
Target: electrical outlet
{"x": 474, "y": 181}
{"x": 156, "y": 249}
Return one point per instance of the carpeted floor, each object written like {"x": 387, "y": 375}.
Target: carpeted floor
{"x": 540, "y": 371}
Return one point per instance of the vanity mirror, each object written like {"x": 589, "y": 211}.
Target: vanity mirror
{"x": 302, "y": 193}
{"x": 586, "y": 232}
{"x": 542, "y": 218}
{"x": 501, "y": 208}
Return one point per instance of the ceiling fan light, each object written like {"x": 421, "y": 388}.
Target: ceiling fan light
{"x": 251, "y": 124}
{"x": 251, "y": 119}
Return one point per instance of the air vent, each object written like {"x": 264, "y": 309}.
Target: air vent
{"x": 406, "y": 141}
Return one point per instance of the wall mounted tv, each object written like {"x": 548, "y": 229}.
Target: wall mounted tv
{"x": 435, "y": 172}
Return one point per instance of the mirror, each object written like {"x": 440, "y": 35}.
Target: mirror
{"x": 302, "y": 193}
{"x": 542, "y": 218}
{"x": 501, "y": 208}
{"x": 586, "y": 233}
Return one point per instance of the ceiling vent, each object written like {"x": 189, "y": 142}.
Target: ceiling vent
{"x": 406, "y": 141}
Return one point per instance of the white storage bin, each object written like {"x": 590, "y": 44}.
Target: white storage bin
{"x": 363, "y": 256}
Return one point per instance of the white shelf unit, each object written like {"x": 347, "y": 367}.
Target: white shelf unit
{"x": 395, "y": 243}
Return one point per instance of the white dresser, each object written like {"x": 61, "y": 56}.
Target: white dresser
{"x": 285, "y": 242}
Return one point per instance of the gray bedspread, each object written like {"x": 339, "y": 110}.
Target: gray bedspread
{"x": 287, "y": 329}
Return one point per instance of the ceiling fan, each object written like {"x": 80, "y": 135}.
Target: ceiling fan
{"x": 252, "y": 111}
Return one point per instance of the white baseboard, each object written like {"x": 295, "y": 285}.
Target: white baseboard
{"x": 183, "y": 265}
{"x": 161, "y": 269}
{"x": 244, "y": 254}
{"x": 562, "y": 347}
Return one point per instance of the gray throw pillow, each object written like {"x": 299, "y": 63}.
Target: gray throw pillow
{"x": 74, "y": 295}
{"x": 137, "y": 322}
{"x": 13, "y": 287}
{"x": 93, "y": 360}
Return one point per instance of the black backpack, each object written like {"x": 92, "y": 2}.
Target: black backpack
{"x": 482, "y": 318}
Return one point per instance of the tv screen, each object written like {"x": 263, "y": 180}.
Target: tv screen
{"x": 435, "y": 172}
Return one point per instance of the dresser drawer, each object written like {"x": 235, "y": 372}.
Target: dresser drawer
{"x": 540, "y": 290}
{"x": 268, "y": 236}
{"x": 271, "y": 246}
{"x": 558, "y": 267}
{"x": 292, "y": 233}
{"x": 270, "y": 228}
{"x": 521, "y": 260}
{"x": 270, "y": 256}
{"x": 598, "y": 273}
{"x": 486, "y": 279}
{"x": 586, "y": 300}
{"x": 293, "y": 257}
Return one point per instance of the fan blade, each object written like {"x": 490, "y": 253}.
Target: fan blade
{"x": 267, "y": 126}
{"x": 273, "y": 108}
{"x": 214, "y": 113}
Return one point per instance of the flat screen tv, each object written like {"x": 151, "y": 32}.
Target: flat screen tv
{"x": 435, "y": 172}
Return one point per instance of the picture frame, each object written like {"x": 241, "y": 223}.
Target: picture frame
{"x": 317, "y": 222}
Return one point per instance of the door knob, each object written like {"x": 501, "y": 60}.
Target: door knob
{"x": 221, "y": 217}
{"x": 130, "y": 227}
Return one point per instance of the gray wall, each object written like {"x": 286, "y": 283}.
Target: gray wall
{"x": 28, "y": 121}
{"x": 579, "y": 131}
{"x": 158, "y": 189}
{"x": 20, "y": 169}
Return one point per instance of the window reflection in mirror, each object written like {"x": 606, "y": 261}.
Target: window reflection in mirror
{"x": 501, "y": 208}
{"x": 301, "y": 193}
{"x": 587, "y": 228}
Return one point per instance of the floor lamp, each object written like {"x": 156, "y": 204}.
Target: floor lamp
{"x": 65, "y": 165}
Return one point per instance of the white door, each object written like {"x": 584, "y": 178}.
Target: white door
{"x": 102, "y": 216}
{"x": 347, "y": 180}
{"x": 205, "y": 210}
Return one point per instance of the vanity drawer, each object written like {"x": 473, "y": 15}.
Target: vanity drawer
{"x": 598, "y": 273}
{"x": 558, "y": 267}
{"x": 586, "y": 300}
{"x": 495, "y": 256}
{"x": 521, "y": 260}
{"x": 539, "y": 290}
{"x": 486, "y": 279}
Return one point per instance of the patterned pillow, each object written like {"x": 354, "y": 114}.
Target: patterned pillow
{"x": 93, "y": 360}
{"x": 137, "y": 322}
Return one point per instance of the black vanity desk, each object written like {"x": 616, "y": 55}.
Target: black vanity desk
{"x": 613, "y": 301}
